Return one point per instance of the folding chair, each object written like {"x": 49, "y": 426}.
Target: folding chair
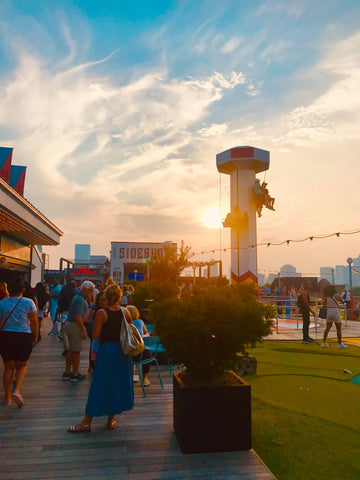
{"x": 152, "y": 343}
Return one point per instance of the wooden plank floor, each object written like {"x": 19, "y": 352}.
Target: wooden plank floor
{"x": 35, "y": 444}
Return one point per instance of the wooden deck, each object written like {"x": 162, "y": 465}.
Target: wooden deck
{"x": 35, "y": 444}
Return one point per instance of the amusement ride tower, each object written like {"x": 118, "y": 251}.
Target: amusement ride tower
{"x": 246, "y": 198}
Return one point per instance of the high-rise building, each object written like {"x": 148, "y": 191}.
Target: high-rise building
{"x": 328, "y": 274}
{"x": 82, "y": 253}
{"x": 341, "y": 274}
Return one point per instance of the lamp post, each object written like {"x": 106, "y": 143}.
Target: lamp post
{"x": 332, "y": 276}
{"x": 350, "y": 261}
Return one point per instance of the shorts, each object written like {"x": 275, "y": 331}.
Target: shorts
{"x": 333, "y": 315}
{"x": 15, "y": 346}
{"x": 74, "y": 337}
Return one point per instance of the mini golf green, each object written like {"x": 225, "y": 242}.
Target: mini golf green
{"x": 306, "y": 410}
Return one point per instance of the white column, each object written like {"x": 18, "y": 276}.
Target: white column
{"x": 243, "y": 259}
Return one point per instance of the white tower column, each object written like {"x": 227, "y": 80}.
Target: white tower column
{"x": 242, "y": 164}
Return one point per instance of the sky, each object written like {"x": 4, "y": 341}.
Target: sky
{"x": 118, "y": 110}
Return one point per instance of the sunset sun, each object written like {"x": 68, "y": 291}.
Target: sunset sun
{"x": 211, "y": 218}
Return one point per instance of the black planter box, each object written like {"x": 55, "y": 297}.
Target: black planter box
{"x": 212, "y": 419}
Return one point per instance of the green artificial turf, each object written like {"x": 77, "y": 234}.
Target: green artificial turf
{"x": 306, "y": 410}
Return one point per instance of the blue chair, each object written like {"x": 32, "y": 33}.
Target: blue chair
{"x": 149, "y": 327}
{"x": 152, "y": 343}
{"x": 161, "y": 349}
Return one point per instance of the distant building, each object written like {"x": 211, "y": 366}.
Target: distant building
{"x": 327, "y": 273}
{"x": 23, "y": 228}
{"x": 128, "y": 260}
{"x": 271, "y": 277}
{"x": 341, "y": 274}
{"x": 93, "y": 267}
{"x": 82, "y": 253}
{"x": 214, "y": 268}
{"x": 289, "y": 271}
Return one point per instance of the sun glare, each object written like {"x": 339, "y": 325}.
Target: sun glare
{"x": 211, "y": 218}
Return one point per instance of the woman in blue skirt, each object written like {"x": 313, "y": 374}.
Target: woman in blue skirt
{"x": 111, "y": 390}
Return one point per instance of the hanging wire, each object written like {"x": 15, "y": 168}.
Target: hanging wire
{"x": 276, "y": 244}
{"x": 220, "y": 210}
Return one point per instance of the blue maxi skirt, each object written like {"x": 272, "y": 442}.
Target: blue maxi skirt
{"x": 111, "y": 390}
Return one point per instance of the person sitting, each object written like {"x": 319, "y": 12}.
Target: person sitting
{"x": 140, "y": 325}
{"x": 262, "y": 197}
{"x": 269, "y": 201}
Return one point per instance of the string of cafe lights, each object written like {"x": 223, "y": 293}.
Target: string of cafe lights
{"x": 283, "y": 242}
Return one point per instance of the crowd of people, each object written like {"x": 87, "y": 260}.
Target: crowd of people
{"x": 293, "y": 301}
{"x": 94, "y": 311}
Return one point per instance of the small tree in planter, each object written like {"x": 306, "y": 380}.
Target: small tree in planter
{"x": 205, "y": 332}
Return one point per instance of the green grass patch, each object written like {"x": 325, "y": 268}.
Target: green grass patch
{"x": 306, "y": 410}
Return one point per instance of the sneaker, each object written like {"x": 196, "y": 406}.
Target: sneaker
{"x": 324, "y": 345}
{"x": 77, "y": 378}
{"x": 66, "y": 376}
{"x": 136, "y": 378}
{"x": 341, "y": 345}
{"x": 306, "y": 342}
{"x": 311, "y": 340}
{"x": 146, "y": 382}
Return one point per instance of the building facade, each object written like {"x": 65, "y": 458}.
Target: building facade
{"x": 128, "y": 260}
{"x": 22, "y": 227}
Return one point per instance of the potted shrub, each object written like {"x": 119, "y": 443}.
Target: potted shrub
{"x": 205, "y": 333}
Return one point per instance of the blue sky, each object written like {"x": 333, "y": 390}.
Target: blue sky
{"x": 119, "y": 111}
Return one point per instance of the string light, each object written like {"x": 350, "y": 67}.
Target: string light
{"x": 276, "y": 244}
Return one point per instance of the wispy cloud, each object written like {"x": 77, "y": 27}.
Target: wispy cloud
{"x": 293, "y": 9}
{"x": 121, "y": 140}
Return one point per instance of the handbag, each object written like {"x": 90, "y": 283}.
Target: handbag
{"x": 323, "y": 313}
{"x": 7, "y": 318}
{"x": 131, "y": 341}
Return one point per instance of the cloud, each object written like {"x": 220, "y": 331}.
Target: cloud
{"x": 276, "y": 51}
{"x": 122, "y": 146}
{"x": 214, "y": 129}
{"x": 335, "y": 114}
{"x": 95, "y": 145}
{"x": 293, "y": 10}
{"x": 231, "y": 44}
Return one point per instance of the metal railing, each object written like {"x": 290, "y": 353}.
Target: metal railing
{"x": 287, "y": 309}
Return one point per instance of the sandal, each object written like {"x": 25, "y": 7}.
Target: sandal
{"x": 111, "y": 425}
{"x": 18, "y": 399}
{"x": 79, "y": 427}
